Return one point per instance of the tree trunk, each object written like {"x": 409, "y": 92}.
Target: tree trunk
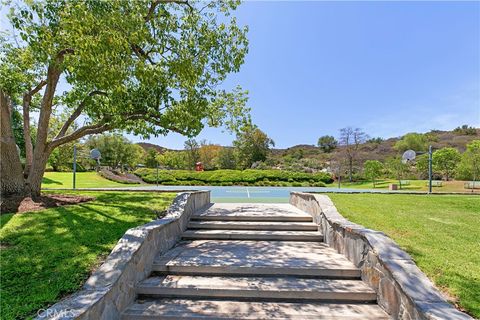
{"x": 33, "y": 183}
{"x": 26, "y": 132}
{"x": 350, "y": 168}
{"x": 42, "y": 149}
{"x": 11, "y": 173}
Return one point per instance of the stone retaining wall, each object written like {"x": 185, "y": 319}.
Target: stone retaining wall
{"x": 402, "y": 289}
{"x": 111, "y": 288}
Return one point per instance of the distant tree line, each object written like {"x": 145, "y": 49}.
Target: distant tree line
{"x": 447, "y": 163}
{"x": 250, "y": 147}
{"x": 346, "y": 156}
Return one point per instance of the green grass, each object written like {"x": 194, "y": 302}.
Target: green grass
{"x": 442, "y": 233}
{"x": 64, "y": 180}
{"x": 48, "y": 254}
{"x": 415, "y": 185}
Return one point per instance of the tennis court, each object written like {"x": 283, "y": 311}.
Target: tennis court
{"x": 243, "y": 194}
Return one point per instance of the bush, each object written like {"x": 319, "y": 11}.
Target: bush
{"x": 247, "y": 177}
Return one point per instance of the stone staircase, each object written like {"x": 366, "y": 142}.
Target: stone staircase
{"x": 245, "y": 261}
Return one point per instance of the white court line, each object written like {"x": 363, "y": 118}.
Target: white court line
{"x": 248, "y": 193}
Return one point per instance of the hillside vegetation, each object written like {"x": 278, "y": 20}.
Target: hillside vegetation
{"x": 365, "y": 158}
{"x": 309, "y": 156}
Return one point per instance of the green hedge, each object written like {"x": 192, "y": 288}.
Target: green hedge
{"x": 248, "y": 177}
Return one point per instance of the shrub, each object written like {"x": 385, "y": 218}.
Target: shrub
{"x": 234, "y": 177}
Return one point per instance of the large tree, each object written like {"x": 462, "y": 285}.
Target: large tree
{"x": 413, "y": 141}
{"x": 445, "y": 161}
{"x": 327, "y": 143}
{"x": 192, "y": 148}
{"x": 372, "y": 169}
{"x": 116, "y": 150}
{"x": 146, "y": 67}
{"x": 351, "y": 139}
{"x": 398, "y": 169}
{"x": 208, "y": 155}
{"x": 226, "y": 158}
{"x": 251, "y": 145}
{"x": 469, "y": 166}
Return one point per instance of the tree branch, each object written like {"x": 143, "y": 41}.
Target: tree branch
{"x": 149, "y": 15}
{"x": 105, "y": 126}
{"x": 139, "y": 52}
{"x": 27, "y": 99}
{"x": 80, "y": 133}
{"x": 63, "y": 52}
{"x": 77, "y": 112}
{"x": 39, "y": 86}
{"x": 179, "y": 2}
{"x": 155, "y": 3}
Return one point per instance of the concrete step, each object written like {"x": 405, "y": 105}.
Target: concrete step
{"x": 253, "y": 225}
{"x": 252, "y": 235}
{"x": 230, "y": 309}
{"x": 258, "y": 218}
{"x": 261, "y": 258}
{"x": 279, "y": 288}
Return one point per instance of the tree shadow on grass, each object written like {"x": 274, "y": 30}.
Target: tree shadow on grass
{"x": 54, "y": 251}
{"x": 50, "y": 181}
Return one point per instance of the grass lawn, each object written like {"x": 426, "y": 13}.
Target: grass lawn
{"x": 415, "y": 185}
{"x": 48, "y": 254}
{"x": 442, "y": 233}
{"x": 64, "y": 180}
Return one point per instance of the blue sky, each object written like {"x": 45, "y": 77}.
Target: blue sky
{"x": 387, "y": 67}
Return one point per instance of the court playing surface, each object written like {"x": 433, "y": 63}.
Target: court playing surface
{"x": 242, "y": 194}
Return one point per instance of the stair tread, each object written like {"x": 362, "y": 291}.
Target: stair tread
{"x": 238, "y": 256}
{"x": 249, "y": 212}
{"x": 255, "y": 232}
{"x": 258, "y": 225}
{"x": 244, "y": 217}
{"x": 256, "y": 283}
{"x": 228, "y": 309}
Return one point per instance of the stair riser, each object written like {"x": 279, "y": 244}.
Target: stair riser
{"x": 258, "y": 227}
{"x": 258, "y": 271}
{"x": 252, "y": 218}
{"x": 239, "y": 316}
{"x": 220, "y": 236}
{"x": 345, "y": 297}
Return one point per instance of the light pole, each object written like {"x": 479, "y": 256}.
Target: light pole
{"x": 74, "y": 165}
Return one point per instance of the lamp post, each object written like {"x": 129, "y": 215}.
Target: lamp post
{"x": 74, "y": 165}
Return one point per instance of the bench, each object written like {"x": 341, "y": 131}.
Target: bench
{"x": 472, "y": 185}
{"x": 436, "y": 183}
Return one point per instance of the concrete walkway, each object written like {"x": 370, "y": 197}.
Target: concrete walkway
{"x": 253, "y": 261}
